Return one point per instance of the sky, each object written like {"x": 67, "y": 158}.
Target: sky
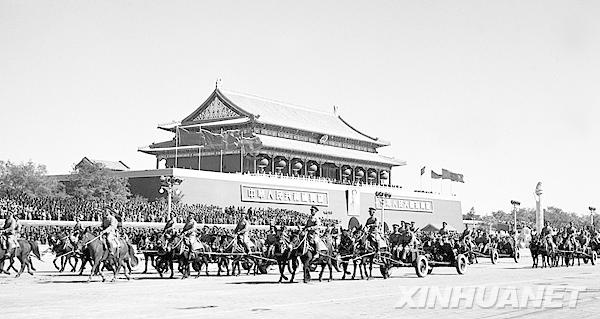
{"x": 504, "y": 92}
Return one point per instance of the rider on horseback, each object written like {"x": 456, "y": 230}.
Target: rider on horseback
{"x": 311, "y": 226}
{"x": 547, "y": 234}
{"x": 241, "y": 231}
{"x": 168, "y": 229}
{"x": 74, "y": 234}
{"x": 189, "y": 233}
{"x": 109, "y": 232}
{"x": 9, "y": 242}
{"x": 372, "y": 224}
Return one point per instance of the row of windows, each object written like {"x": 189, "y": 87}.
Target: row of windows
{"x": 331, "y": 141}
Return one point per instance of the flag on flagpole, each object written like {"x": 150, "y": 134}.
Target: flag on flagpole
{"x": 446, "y": 174}
{"x": 191, "y": 138}
{"x": 435, "y": 175}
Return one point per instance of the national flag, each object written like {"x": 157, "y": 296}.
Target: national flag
{"x": 213, "y": 140}
{"x": 232, "y": 139}
{"x": 190, "y": 138}
{"x": 446, "y": 174}
{"x": 435, "y": 175}
{"x": 422, "y": 170}
{"x": 251, "y": 144}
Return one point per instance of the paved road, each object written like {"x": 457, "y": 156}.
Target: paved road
{"x": 49, "y": 294}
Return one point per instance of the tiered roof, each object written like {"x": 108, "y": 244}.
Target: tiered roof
{"x": 224, "y": 107}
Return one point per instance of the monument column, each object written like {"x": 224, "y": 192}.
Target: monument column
{"x": 539, "y": 212}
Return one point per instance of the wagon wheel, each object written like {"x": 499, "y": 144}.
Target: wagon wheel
{"x": 594, "y": 257}
{"x": 461, "y": 264}
{"x": 517, "y": 256}
{"x": 494, "y": 256}
{"x": 421, "y": 266}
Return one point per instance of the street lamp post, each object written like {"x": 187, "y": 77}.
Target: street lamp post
{"x": 166, "y": 185}
{"x": 515, "y": 205}
{"x": 592, "y": 211}
{"x": 381, "y": 196}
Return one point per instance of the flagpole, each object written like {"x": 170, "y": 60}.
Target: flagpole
{"x": 199, "y": 157}
{"x": 221, "y": 165}
{"x": 200, "y": 149}
{"x": 421, "y": 180}
{"x": 241, "y": 157}
{"x": 176, "y": 143}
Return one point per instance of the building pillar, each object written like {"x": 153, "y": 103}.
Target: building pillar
{"x": 273, "y": 164}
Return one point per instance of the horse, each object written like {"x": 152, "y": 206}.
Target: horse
{"x": 308, "y": 257}
{"x": 285, "y": 254}
{"x": 347, "y": 248}
{"x": 229, "y": 244}
{"x": 535, "y": 249}
{"x": 568, "y": 246}
{"x": 166, "y": 255}
{"x": 65, "y": 251}
{"x": 548, "y": 250}
{"x": 147, "y": 247}
{"x": 94, "y": 250}
{"x": 22, "y": 252}
{"x": 366, "y": 253}
{"x": 195, "y": 256}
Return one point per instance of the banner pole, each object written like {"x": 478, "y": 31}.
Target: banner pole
{"x": 176, "y": 144}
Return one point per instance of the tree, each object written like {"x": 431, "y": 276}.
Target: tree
{"x": 471, "y": 215}
{"x": 28, "y": 178}
{"x": 95, "y": 182}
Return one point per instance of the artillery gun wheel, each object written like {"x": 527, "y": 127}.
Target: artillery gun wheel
{"x": 461, "y": 264}
{"x": 494, "y": 256}
{"x": 421, "y": 266}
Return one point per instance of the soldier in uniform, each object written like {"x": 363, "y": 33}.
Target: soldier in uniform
{"x": 75, "y": 232}
{"x": 271, "y": 239}
{"x": 241, "y": 231}
{"x": 372, "y": 225}
{"x": 395, "y": 239}
{"x": 412, "y": 227}
{"x": 311, "y": 226}
{"x": 408, "y": 240}
{"x": 443, "y": 231}
{"x": 168, "y": 229}
{"x": 9, "y": 242}
{"x": 189, "y": 233}
{"x": 109, "y": 232}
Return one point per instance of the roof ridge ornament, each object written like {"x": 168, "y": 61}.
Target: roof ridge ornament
{"x": 218, "y": 83}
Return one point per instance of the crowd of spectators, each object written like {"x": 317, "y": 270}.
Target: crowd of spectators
{"x": 66, "y": 209}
